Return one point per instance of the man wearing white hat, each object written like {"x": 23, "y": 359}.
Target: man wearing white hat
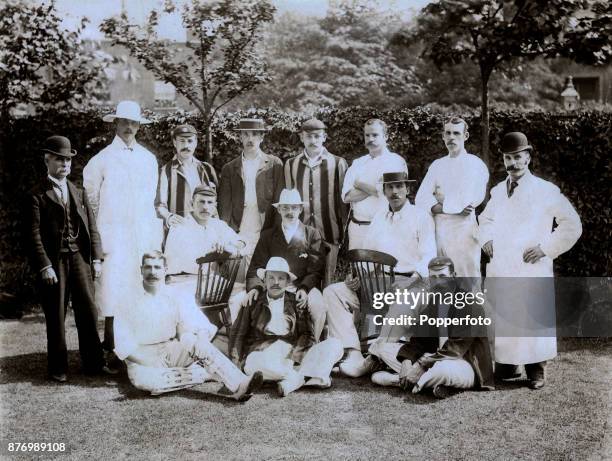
{"x": 121, "y": 183}
{"x": 249, "y": 185}
{"x": 273, "y": 335}
{"x": 516, "y": 231}
{"x": 301, "y": 246}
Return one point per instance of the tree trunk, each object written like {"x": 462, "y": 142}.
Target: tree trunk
{"x": 208, "y": 144}
{"x": 484, "y": 117}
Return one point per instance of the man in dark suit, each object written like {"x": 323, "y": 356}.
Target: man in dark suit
{"x": 302, "y": 247}
{"x": 65, "y": 251}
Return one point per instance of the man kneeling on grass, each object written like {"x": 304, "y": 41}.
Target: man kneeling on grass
{"x": 457, "y": 356}
{"x": 165, "y": 341}
{"x": 273, "y": 335}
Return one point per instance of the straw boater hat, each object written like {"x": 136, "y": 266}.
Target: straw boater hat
{"x": 276, "y": 264}
{"x": 58, "y": 145}
{"x": 515, "y": 142}
{"x": 289, "y": 197}
{"x": 129, "y": 110}
{"x": 400, "y": 176}
{"x": 251, "y": 124}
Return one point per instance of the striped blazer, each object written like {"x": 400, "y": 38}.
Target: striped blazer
{"x": 173, "y": 190}
{"x": 320, "y": 188}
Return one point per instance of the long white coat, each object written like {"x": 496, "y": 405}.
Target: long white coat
{"x": 121, "y": 184}
{"x": 522, "y": 294}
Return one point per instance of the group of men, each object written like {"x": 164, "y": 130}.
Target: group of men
{"x": 290, "y": 323}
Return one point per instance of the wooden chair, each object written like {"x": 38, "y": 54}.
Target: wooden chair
{"x": 375, "y": 271}
{"x": 216, "y": 277}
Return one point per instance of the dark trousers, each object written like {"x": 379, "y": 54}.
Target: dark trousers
{"x": 74, "y": 281}
{"x": 533, "y": 370}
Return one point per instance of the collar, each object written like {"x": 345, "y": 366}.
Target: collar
{"x": 259, "y": 156}
{"x": 384, "y": 153}
{"x": 525, "y": 177}
{"x": 290, "y": 230}
{"x": 178, "y": 162}
{"x": 62, "y": 184}
{"x": 461, "y": 154}
{"x": 317, "y": 160}
{"x": 120, "y": 144}
{"x": 278, "y": 300}
{"x": 399, "y": 213}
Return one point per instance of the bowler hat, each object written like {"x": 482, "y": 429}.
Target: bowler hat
{"x": 276, "y": 264}
{"x": 399, "y": 176}
{"x": 289, "y": 197}
{"x": 58, "y": 145}
{"x": 251, "y": 124}
{"x": 184, "y": 130}
{"x": 514, "y": 142}
{"x": 313, "y": 125}
{"x": 129, "y": 110}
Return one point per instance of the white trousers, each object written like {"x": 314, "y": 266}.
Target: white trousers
{"x": 357, "y": 234}
{"x": 316, "y": 307}
{"x": 456, "y": 373}
{"x": 171, "y": 363}
{"x": 456, "y": 239}
{"x": 275, "y": 365}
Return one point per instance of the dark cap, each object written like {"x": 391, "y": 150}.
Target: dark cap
{"x": 58, "y": 145}
{"x": 400, "y": 176}
{"x": 251, "y": 124}
{"x": 515, "y": 142}
{"x": 313, "y": 125}
{"x": 440, "y": 262}
{"x": 206, "y": 190}
{"x": 184, "y": 130}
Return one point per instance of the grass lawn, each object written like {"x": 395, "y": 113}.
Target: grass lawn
{"x": 100, "y": 418}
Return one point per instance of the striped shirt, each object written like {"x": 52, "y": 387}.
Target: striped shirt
{"x": 320, "y": 185}
{"x": 174, "y": 190}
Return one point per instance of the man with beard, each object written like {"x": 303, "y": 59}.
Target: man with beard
{"x": 165, "y": 341}
{"x": 121, "y": 182}
{"x": 180, "y": 177}
{"x": 405, "y": 232}
{"x": 452, "y": 188}
{"x": 516, "y": 230}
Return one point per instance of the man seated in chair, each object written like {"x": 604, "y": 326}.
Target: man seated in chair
{"x": 401, "y": 230}
{"x": 165, "y": 341}
{"x": 303, "y": 249}
{"x": 443, "y": 359}
{"x": 197, "y": 235}
{"x": 273, "y": 335}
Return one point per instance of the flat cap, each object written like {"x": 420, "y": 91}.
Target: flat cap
{"x": 312, "y": 125}
{"x": 184, "y": 130}
{"x": 206, "y": 190}
{"x": 440, "y": 262}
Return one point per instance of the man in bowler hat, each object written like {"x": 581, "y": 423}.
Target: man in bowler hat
{"x": 66, "y": 253}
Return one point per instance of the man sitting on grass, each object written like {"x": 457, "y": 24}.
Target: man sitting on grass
{"x": 272, "y": 335}
{"x": 165, "y": 341}
{"x": 455, "y": 357}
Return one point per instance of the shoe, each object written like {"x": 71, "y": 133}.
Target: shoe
{"x": 385, "y": 378}
{"x": 319, "y": 383}
{"x": 287, "y": 386}
{"x": 504, "y": 371}
{"x": 247, "y": 387}
{"x": 537, "y": 381}
{"x": 58, "y": 377}
{"x": 109, "y": 370}
{"x": 440, "y": 391}
{"x": 358, "y": 368}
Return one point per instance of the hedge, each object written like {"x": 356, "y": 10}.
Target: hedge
{"x": 573, "y": 151}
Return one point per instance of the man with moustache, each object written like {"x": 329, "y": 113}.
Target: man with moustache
{"x": 249, "y": 185}
{"x": 362, "y": 187}
{"x": 452, "y": 188}
{"x": 165, "y": 341}
{"x": 402, "y": 230}
{"x": 66, "y": 252}
{"x": 516, "y": 231}
{"x": 318, "y": 176}
{"x": 301, "y": 246}
{"x": 273, "y": 336}
{"x": 121, "y": 183}
{"x": 180, "y": 176}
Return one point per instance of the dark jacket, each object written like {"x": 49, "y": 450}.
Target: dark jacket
{"x": 248, "y": 332}
{"x": 466, "y": 342}
{"x": 269, "y": 183}
{"x": 46, "y": 224}
{"x": 305, "y": 254}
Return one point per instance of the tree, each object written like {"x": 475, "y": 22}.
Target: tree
{"x": 218, "y": 62}
{"x": 492, "y": 33}
{"x": 342, "y": 59}
{"x": 42, "y": 65}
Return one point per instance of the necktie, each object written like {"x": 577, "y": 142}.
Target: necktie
{"x": 62, "y": 194}
{"x": 513, "y": 185}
